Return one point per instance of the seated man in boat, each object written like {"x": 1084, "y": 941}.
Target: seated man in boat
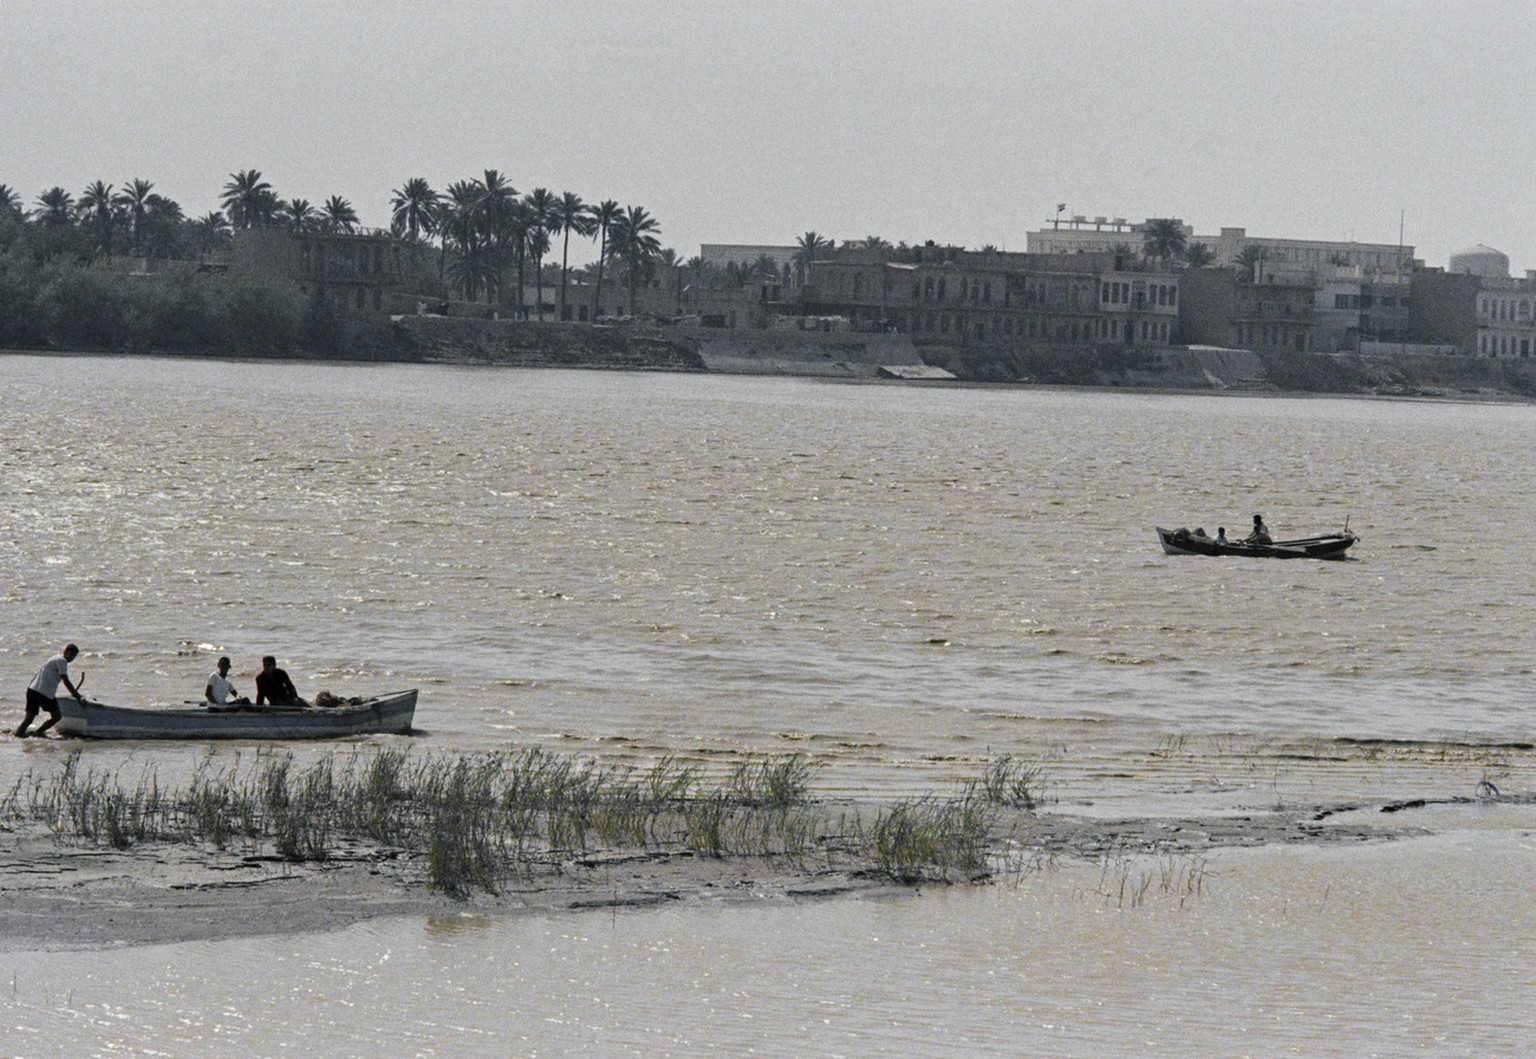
{"x": 273, "y": 686}
{"x": 1221, "y": 535}
{"x": 1260, "y": 534}
{"x": 220, "y": 687}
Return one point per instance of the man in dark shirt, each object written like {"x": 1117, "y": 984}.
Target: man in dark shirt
{"x": 273, "y": 686}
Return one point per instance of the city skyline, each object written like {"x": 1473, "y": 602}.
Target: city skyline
{"x": 967, "y": 124}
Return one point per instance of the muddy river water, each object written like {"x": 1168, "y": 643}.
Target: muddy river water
{"x": 899, "y": 582}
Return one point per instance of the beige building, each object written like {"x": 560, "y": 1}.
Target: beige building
{"x": 1080, "y": 235}
{"x": 354, "y": 271}
{"x": 963, "y": 298}
{"x": 1506, "y": 317}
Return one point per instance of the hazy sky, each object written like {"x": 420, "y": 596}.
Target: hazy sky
{"x": 964, "y": 122}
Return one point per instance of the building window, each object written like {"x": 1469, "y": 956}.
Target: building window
{"x": 941, "y": 289}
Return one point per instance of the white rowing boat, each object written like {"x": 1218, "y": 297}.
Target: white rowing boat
{"x": 383, "y": 714}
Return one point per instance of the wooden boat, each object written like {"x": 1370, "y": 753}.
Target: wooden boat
{"x": 93, "y": 720}
{"x": 1184, "y": 542}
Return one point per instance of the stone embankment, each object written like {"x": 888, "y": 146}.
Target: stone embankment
{"x": 1239, "y": 370}
{"x": 458, "y": 340}
{"x": 530, "y": 344}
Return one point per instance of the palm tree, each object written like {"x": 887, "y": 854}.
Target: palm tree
{"x": 10, "y": 203}
{"x": 874, "y": 242}
{"x": 248, "y": 199}
{"x": 338, "y": 215}
{"x": 571, "y": 215}
{"x": 459, "y": 223}
{"x": 539, "y": 243}
{"x": 134, "y": 198}
{"x": 670, "y": 260}
{"x": 1249, "y": 260}
{"x": 699, "y": 269}
{"x": 415, "y": 209}
{"x": 543, "y": 211}
{"x": 162, "y": 224}
{"x": 298, "y": 215}
{"x": 1198, "y": 255}
{"x": 96, "y": 205}
{"x": 810, "y": 245}
{"x": 55, "y": 208}
{"x": 497, "y": 216}
{"x": 209, "y": 232}
{"x": 635, "y": 242}
{"x": 604, "y": 216}
{"x": 1162, "y": 238}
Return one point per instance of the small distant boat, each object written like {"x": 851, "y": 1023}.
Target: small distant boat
{"x": 385, "y": 714}
{"x": 1185, "y": 542}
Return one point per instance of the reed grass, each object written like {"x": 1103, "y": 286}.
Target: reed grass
{"x": 1009, "y": 783}
{"x": 474, "y": 821}
{"x": 925, "y": 839}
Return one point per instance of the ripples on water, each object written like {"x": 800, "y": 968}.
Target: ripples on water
{"x": 1283, "y": 951}
{"x": 897, "y": 581}
{"x": 877, "y": 575}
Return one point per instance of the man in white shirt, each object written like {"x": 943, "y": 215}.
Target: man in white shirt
{"x": 220, "y": 687}
{"x": 42, "y": 692}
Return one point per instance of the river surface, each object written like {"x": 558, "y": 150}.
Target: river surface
{"x": 900, "y": 582}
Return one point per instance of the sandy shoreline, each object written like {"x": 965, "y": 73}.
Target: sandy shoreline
{"x": 62, "y": 894}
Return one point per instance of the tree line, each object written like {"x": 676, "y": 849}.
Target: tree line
{"x": 484, "y": 232}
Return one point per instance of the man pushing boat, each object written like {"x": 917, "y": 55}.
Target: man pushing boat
{"x": 43, "y": 691}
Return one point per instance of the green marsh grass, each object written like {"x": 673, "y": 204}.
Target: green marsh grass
{"x": 475, "y": 821}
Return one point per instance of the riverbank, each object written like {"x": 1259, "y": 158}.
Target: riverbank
{"x": 530, "y": 344}
{"x": 62, "y": 893}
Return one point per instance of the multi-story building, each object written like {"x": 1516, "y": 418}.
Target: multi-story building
{"x": 1506, "y": 317}
{"x": 950, "y": 297}
{"x": 1442, "y": 311}
{"x": 1354, "y": 306}
{"x": 1081, "y": 235}
{"x": 1220, "y": 308}
{"x": 354, "y": 271}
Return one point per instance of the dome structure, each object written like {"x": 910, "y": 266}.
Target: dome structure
{"x": 1482, "y": 261}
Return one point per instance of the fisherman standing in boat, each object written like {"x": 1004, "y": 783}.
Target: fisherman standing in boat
{"x": 220, "y": 687}
{"x": 42, "y": 692}
{"x": 1260, "y": 534}
{"x": 273, "y": 686}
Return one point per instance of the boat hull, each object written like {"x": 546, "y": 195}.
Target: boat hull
{"x": 386, "y": 714}
{"x": 1182, "y": 542}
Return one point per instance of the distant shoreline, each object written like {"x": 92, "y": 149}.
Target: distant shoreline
{"x": 1443, "y": 379}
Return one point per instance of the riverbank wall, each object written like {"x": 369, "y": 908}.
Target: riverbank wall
{"x": 1240, "y": 370}
{"x": 531, "y": 344}
{"x": 855, "y": 355}
{"x": 852, "y": 355}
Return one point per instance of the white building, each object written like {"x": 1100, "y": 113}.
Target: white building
{"x": 1284, "y": 258}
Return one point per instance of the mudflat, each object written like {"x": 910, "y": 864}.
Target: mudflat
{"x": 63, "y": 893}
